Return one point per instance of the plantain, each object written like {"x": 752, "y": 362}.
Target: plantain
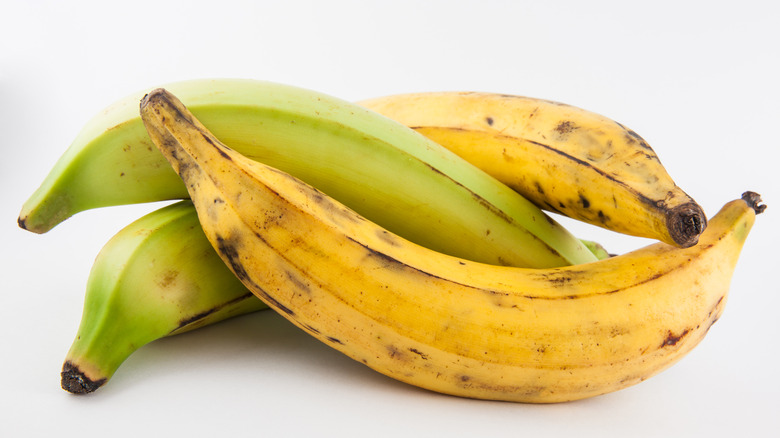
{"x": 440, "y": 322}
{"x": 156, "y": 277}
{"x": 562, "y": 158}
{"x": 382, "y": 169}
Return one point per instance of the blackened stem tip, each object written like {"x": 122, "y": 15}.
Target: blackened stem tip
{"x": 686, "y": 223}
{"x": 75, "y": 381}
{"x": 753, "y": 199}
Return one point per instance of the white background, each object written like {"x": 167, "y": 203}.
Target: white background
{"x": 698, "y": 80}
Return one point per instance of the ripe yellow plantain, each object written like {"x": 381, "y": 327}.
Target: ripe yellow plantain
{"x": 441, "y": 322}
{"x": 562, "y": 158}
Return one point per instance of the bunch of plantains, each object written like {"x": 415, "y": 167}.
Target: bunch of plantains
{"x": 406, "y": 232}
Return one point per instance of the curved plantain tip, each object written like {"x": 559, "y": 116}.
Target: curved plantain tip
{"x": 156, "y": 94}
{"x": 22, "y": 222}
{"x": 686, "y": 222}
{"x": 35, "y": 225}
{"x": 150, "y": 96}
{"x": 753, "y": 199}
{"x": 76, "y": 382}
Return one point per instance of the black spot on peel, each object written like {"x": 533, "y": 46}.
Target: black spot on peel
{"x": 489, "y": 121}
{"x": 273, "y": 302}
{"x": 385, "y": 260}
{"x": 672, "y": 339}
{"x": 230, "y": 254}
{"x": 334, "y": 340}
{"x": 395, "y": 353}
{"x": 388, "y": 238}
{"x": 715, "y": 307}
{"x": 221, "y": 148}
{"x": 632, "y": 137}
{"x": 586, "y": 165}
{"x": 297, "y": 282}
{"x": 642, "y": 143}
{"x": 200, "y": 316}
{"x": 585, "y": 202}
{"x": 549, "y": 207}
{"x": 558, "y": 280}
{"x": 419, "y": 353}
{"x": 714, "y": 314}
{"x": 311, "y": 329}
{"x": 224, "y": 154}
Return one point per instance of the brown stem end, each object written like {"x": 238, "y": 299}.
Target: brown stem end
{"x": 76, "y": 382}
{"x": 753, "y": 199}
{"x": 686, "y": 222}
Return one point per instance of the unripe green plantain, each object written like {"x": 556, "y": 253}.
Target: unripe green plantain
{"x": 382, "y": 169}
{"x": 157, "y": 277}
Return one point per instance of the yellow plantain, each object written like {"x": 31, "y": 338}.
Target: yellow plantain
{"x": 440, "y": 322}
{"x": 562, "y": 158}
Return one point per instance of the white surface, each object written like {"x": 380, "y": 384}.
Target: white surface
{"x": 698, "y": 80}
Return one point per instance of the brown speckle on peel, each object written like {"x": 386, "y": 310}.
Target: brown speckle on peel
{"x": 565, "y": 127}
{"x": 167, "y": 279}
{"x": 397, "y": 354}
{"x": 388, "y": 238}
{"x": 489, "y": 121}
{"x": 419, "y": 353}
{"x": 296, "y": 281}
{"x": 672, "y": 339}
